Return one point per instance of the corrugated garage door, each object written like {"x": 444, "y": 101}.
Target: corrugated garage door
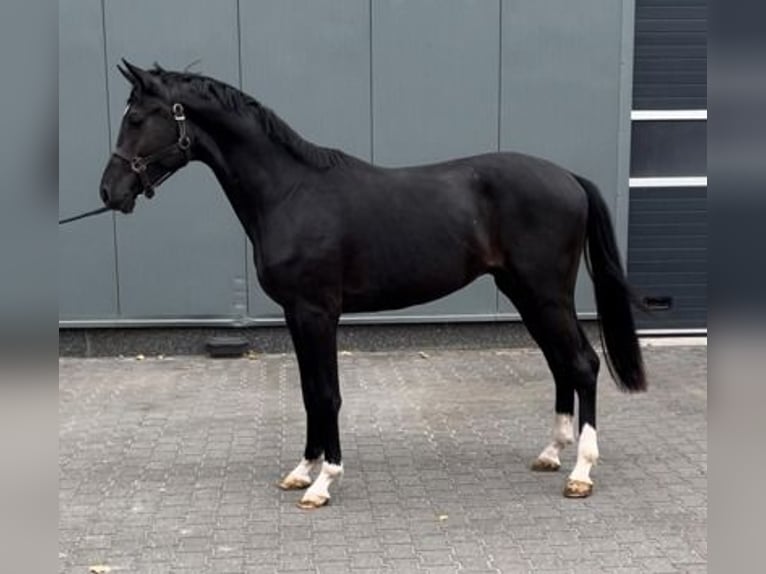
{"x": 670, "y": 66}
{"x": 667, "y": 246}
{"x": 668, "y": 255}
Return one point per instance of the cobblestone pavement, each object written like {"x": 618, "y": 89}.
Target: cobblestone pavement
{"x": 170, "y": 465}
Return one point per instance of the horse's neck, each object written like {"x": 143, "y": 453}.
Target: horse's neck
{"x": 254, "y": 171}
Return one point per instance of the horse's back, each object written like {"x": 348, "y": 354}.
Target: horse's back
{"x": 500, "y": 177}
{"x": 515, "y": 191}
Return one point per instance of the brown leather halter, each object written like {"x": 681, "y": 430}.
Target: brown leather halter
{"x": 139, "y": 164}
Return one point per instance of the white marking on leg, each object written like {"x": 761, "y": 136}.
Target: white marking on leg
{"x": 305, "y": 468}
{"x": 587, "y": 455}
{"x": 563, "y": 434}
{"x": 300, "y": 476}
{"x": 319, "y": 492}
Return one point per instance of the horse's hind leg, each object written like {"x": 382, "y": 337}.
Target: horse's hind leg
{"x": 552, "y": 322}
{"x": 563, "y": 433}
{"x": 579, "y": 484}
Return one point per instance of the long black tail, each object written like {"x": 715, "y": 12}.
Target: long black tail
{"x": 613, "y": 295}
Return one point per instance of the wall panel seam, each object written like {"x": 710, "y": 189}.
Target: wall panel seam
{"x": 372, "y": 110}
{"x": 245, "y": 267}
{"x": 499, "y": 102}
{"x": 622, "y": 201}
{"x": 109, "y": 147}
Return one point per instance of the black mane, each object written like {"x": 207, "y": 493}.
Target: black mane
{"x": 237, "y": 101}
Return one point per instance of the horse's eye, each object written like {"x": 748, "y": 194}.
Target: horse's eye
{"x": 134, "y": 119}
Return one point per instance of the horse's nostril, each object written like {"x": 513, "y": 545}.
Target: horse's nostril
{"x": 104, "y": 194}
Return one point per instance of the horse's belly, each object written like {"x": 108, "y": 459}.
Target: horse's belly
{"x": 401, "y": 287}
{"x": 431, "y": 245}
{"x": 388, "y": 301}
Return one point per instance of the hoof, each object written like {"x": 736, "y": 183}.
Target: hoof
{"x": 544, "y": 465}
{"x": 313, "y": 501}
{"x": 577, "y": 489}
{"x": 294, "y": 483}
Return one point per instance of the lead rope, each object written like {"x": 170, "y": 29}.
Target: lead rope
{"x": 83, "y": 215}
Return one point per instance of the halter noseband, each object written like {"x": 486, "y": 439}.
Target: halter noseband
{"x": 138, "y": 164}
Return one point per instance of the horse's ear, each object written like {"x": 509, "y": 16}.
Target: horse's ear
{"x": 141, "y": 79}
{"x": 126, "y": 74}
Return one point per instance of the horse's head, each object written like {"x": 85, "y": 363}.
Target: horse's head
{"x": 152, "y": 143}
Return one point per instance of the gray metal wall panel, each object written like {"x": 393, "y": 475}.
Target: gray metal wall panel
{"x": 309, "y": 60}
{"x": 431, "y": 71}
{"x": 435, "y": 66}
{"x": 183, "y": 253}
{"x": 561, "y": 91}
{"x": 435, "y": 81}
{"x": 87, "y": 279}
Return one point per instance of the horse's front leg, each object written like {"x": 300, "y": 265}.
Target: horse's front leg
{"x": 300, "y": 477}
{"x": 314, "y": 332}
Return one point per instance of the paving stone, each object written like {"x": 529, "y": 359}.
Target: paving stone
{"x": 171, "y": 466}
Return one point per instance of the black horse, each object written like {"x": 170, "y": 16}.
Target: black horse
{"x": 333, "y": 234}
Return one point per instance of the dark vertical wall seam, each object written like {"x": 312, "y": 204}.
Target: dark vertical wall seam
{"x": 246, "y": 269}
{"x": 499, "y": 101}
{"x": 109, "y": 148}
{"x": 239, "y": 46}
{"x": 622, "y": 196}
{"x": 372, "y": 111}
{"x": 499, "y": 72}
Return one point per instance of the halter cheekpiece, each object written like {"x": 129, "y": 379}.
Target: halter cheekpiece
{"x": 138, "y": 164}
